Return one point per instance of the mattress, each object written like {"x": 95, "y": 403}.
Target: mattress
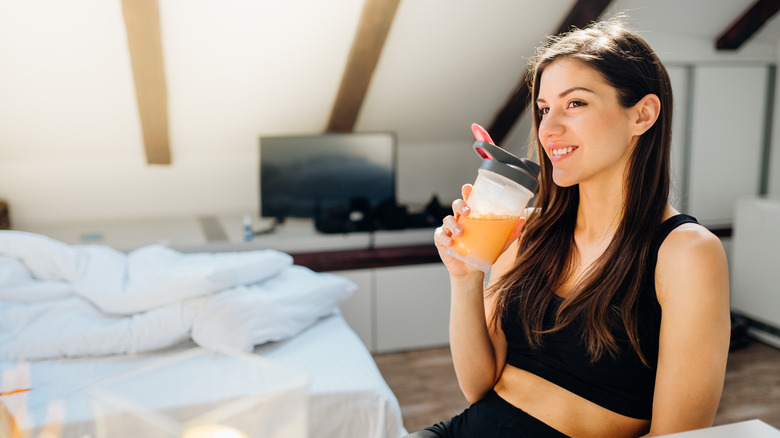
{"x": 347, "y": 395}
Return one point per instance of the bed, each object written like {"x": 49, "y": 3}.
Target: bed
{"x": 79, "y": 315}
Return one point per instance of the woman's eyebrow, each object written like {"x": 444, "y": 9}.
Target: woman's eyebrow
{"x": 568, "y": 91}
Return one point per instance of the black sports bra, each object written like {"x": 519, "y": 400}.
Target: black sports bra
{"x": 623, "y": 384}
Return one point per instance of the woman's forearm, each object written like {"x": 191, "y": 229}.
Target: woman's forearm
{"x": 472, "y": 349}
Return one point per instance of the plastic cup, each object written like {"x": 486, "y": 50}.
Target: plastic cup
{"x": 497, "y": 203}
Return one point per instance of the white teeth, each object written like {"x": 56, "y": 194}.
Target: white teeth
{"x": 562, "y": 151}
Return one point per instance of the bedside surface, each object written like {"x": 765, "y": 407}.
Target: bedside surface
{"x": 744, "y": 429}
{"x": 219, "y": 233}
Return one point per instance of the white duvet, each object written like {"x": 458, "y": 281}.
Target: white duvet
{"x": 59, "y": 300}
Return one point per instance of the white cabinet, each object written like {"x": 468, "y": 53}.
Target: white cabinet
{"x": 399, "y": 308}
{"x": 358, "y": 310}
{"x": 412, "y": 307}
{"x": 755, "y": 292}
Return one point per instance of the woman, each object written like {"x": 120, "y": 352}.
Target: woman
{"x": 608, "y": 316}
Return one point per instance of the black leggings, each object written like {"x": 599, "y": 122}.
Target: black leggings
{"x": 491, "y": 417}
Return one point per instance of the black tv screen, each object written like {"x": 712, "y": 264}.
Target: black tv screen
{"x": 312, "y": 176}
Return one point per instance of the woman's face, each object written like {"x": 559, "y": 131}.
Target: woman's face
{"x": 584, "y": 130}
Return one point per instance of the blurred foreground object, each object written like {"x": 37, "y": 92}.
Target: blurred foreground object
{"x": 14, "y": 421}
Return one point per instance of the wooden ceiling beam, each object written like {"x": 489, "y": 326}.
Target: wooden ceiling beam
{"x": 747, "y": 24}
{"x": 580, "y": 15}
{"x": 142, "y": 24}
{"x": 374, "y": 25}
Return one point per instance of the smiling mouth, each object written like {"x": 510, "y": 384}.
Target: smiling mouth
{"x": 562, "y": 151}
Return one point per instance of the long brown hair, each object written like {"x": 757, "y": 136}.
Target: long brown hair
{"x": 609, "y": 293}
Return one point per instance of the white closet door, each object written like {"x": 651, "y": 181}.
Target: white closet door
{"x": 679, "y": 78}
{"x": 727, "y": 137}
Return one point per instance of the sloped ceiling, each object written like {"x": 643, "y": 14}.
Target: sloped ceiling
{"x": 239, "y": 69}
{"x": 447, "y": 64}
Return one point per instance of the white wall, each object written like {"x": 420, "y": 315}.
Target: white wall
{"x": 70, "y": 142}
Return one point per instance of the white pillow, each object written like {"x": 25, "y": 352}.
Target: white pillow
{"x": 272, "y": 310}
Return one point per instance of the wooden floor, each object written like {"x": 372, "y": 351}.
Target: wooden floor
{"x": 425, "y": 385}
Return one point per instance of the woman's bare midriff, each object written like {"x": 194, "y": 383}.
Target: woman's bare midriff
{"x": 562, "y": 409}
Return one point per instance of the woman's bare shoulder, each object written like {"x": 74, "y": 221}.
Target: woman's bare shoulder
{"x": 691, "y": 260}
{"x": 689, "y": 240}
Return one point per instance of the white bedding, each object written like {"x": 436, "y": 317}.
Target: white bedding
{"x": 348, "y": 398}
{"x": 59, "y": 300}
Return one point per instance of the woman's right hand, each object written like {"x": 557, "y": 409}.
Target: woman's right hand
{"x": 450, "y": 229}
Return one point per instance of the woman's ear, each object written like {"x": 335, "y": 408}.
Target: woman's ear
{"x": 647, "y": 111}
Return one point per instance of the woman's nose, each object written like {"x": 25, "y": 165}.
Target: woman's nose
{"x": 551, "y": 124}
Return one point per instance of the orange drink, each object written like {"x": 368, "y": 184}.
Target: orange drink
{"x": 484, "y": 237}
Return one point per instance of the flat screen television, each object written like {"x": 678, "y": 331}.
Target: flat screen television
{"x": 326, "y": 175}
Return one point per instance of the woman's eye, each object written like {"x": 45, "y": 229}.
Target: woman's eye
{"x": 543, "y": 111}
{"x": 576, "y": 103}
